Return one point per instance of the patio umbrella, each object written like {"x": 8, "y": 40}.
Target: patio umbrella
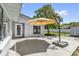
{"x": 41, "y": 21}
{"x": 45, "y": 21}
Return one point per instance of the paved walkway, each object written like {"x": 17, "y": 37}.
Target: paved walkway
{"x": 12, "y": 53}
{"x": 67, "y": 51}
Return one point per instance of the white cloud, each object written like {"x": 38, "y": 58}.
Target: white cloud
{"x": 63, "y": 12}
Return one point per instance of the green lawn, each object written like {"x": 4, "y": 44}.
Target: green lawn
{"x": 56, "y": 33}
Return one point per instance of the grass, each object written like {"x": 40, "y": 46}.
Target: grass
{"x": 56, "y": 33}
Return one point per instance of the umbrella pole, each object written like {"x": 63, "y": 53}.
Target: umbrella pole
{"x": 59, "y": 34}
{"x": 59, "y": 31}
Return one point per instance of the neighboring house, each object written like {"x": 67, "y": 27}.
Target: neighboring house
{"x": 22, "y": 29}
{"x": 74, "y": 30}
{"x": 8, "y": 13}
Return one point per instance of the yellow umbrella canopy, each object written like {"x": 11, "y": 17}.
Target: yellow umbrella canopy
{"x": 41, "y": 21}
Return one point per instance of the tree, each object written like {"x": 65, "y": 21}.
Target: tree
{"x": 47, "y": 12}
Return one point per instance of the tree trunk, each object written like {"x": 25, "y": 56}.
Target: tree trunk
{"x": 48, "y": 30}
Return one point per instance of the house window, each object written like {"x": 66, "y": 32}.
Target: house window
{"x": 36, "y": 30}
{"x": 45, "y": 27}
{"x": 18, "y": 30}
{"x": 4, "y": 24}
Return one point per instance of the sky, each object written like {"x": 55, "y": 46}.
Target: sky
{"x": 68, "y": 11}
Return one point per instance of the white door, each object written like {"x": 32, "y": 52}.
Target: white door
{"x": 18, "y": 30}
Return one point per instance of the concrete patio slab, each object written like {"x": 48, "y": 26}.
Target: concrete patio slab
{"x": 12, "y": 53}
{"x": 67, "y": 51}
{"x": 38, "y": 54}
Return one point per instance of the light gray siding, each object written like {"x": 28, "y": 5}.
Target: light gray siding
{"x": 42, "y": 29}
{"x": 28, "y": 29}
{"x": 13, "y": 29}
{"x": 74, "y": 31}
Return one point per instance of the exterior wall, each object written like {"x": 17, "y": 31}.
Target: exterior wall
{"x": 13, "y": 29}
{"x": 74, "y": 31}
{"x": 28, "y": 29}
{"x": 12, "y": 11}
{"x": 42, "y": 30}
